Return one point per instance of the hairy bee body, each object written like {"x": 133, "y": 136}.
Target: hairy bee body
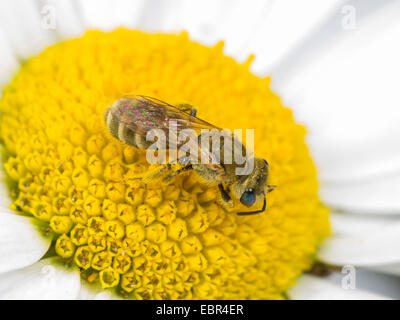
{"x": 130, "y": 118}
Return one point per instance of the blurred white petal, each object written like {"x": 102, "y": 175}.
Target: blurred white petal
{"x": 8, "y": 62}
{"x": 110, "y": 14}
{"x": 367, "y": 280}
{"x": 27, "y": 29}
{"x": 44, "y": 280}
{"x": 281, "y": 28}
{"x": 21, "y": 243}
{"x": 260, "y": 27}
{"x": 379, "y": 194}
{"x": 393, "y": 269}
{"x": 243, "y": 24}
{"x": 373, "y": 249}
{"x": 313, "y": 288}
{"x": 95, "y": 292}
{"x": 232, "y": 21}
{"x": 161, "y": 16}
{"x": 346, "y": 92}
{"x": 344, "y": 224}
{"x": 68, "y": 22}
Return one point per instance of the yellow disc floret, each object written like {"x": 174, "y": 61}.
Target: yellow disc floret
{"x": 156, "y": 240}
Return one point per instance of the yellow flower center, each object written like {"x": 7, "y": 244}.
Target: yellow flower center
{"x": 153, "y": 240}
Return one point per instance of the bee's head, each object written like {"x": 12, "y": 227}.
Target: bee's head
{"x": 251, "y": 188}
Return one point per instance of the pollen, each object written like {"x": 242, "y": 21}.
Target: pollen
{"x": 173, "y": 239}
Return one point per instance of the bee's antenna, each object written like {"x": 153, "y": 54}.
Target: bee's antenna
{"x": 254, "y": 212}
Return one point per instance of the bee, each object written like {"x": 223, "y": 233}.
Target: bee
{"x": 131, "y": 117}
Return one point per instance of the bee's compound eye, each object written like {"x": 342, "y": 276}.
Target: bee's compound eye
{"x": 248, "y": 197}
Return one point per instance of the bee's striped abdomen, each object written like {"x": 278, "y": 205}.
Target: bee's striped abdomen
{"x": 131, "y": 118}
{"x": 111, "y": 123}
{"x": 120, "y": 130}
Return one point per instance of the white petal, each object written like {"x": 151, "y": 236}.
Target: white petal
{"x": 95, "y": 292}
{"x": 238, "y": 36}
{"x": 367, "y": 280}
{"x": 344, "y": 224}
{"x": 313, "y": 288}
{"x": 378, "y": 194}
{"x": 393, "y": 269}
{"x": 158, "y": 15}
{"x": 110, "y": 14}
{"x": 202, "y": 19}
{"x": 343, "y": 84}
{"x": 21, "y": 241}
{"x": 373, "y": 249}
{"x": 280, "y": 28}
{"x": 44, "y": 280}
{"x": 249, "y": 27}
{"x": 28, "y": 30}
{"x": 68, "y": 21}
{"x": 8, "y": 61}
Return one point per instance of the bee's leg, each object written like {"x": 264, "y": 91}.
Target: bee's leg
{"x": 185, "y": 168}
{"x": 224, "y": 193}
{"x": 247, "y": 213}
{"x": 157, "y": 173}
{"x": 271, "y": 188}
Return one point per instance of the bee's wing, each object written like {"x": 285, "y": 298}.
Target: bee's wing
{"x": 185, "y": 120}
{"x": 140, "y": 114}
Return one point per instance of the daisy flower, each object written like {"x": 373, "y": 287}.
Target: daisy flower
{"x": 76, "y": 222}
